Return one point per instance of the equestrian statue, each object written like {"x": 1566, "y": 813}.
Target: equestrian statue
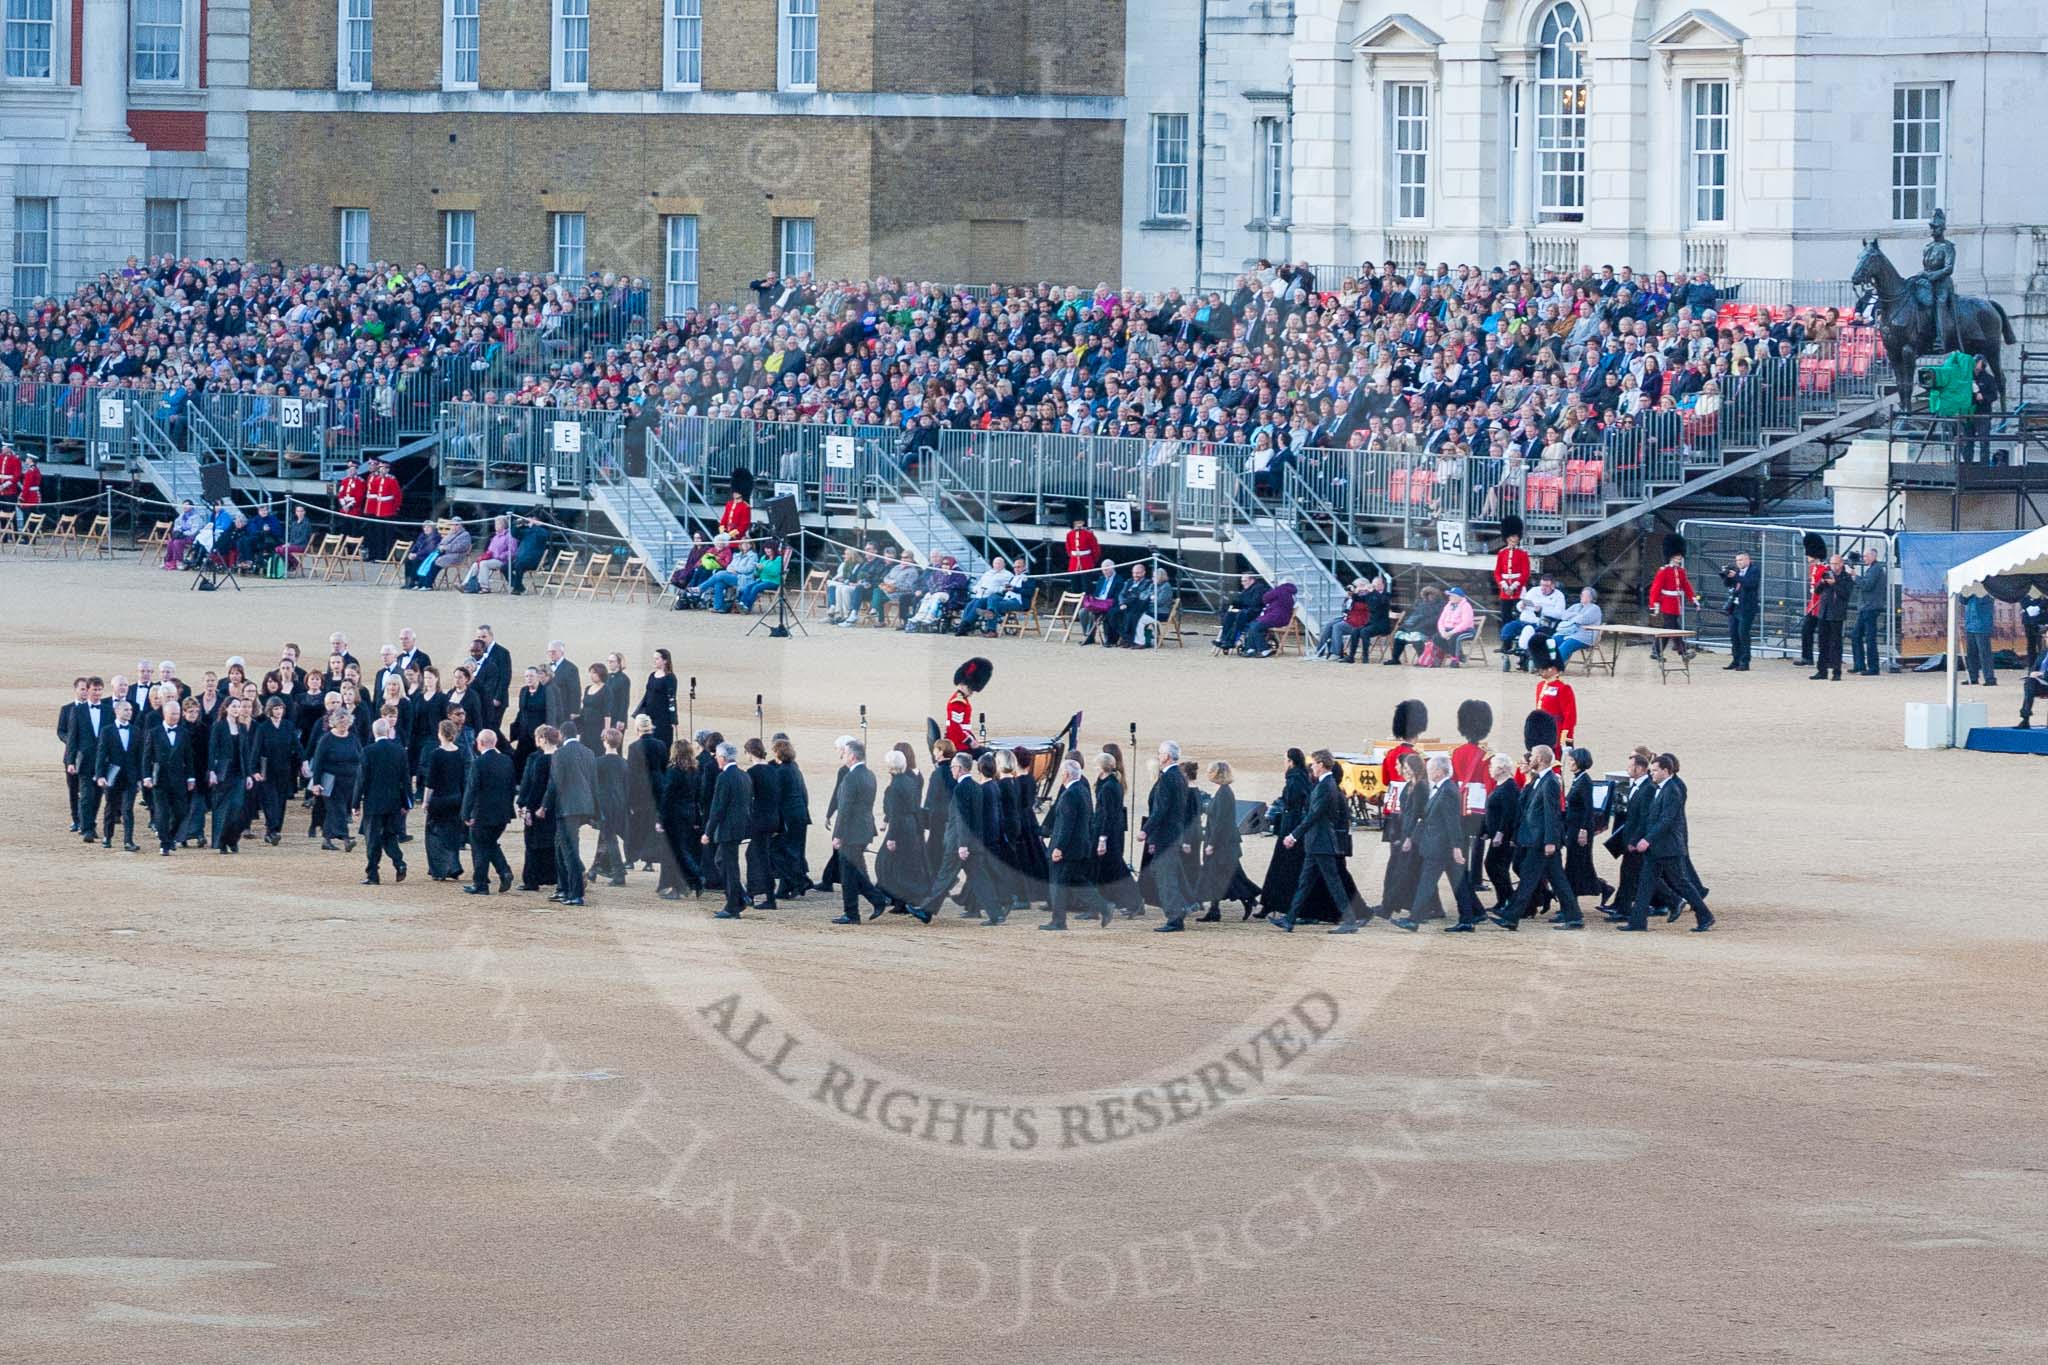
{"x": 1923, "y": 316}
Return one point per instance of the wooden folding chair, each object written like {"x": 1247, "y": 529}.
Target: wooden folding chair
{"x": 1289, "y": 634}
{"x": 97, "y": 539}
{"x": 636, "y": 580}
{"x": 596, "y": 577}
{"x": 1066, "y": 614}
{"x": 556, "y": 576}
{"x": 1169, "y": 630}
{"x": 391, "y": 569}
{"x": 814, "y": 596}
{"x": 313, "y": 563}
{"x": 32, "y": 531}
{"x": 1475, "y": 648}
{"x": 1025, "y": 621}
{"x": 347, "y": 561}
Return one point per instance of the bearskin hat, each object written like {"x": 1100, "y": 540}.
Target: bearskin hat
{"x": 1510, "y": 526}
{"x": 1815, "y": 547}
{"x": 1475, "y": 719}
{"x": 1674, "y": 547}
{"x": 1543, "y": 653}
{"x": 1539, "y": 727}
{"x": 742, "y": 480}
{"x": 1411, "y": 718}
{"x": 974, "y": 674}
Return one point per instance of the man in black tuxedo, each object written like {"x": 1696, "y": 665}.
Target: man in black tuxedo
{"x": 66, "y": 714}
{"x": 410, "y": 655}
{"x": 853, "y": 829}
{"x": 137, "y": 695}
{"x": 116, "y": 770}
{"x": 726, "y": 823}
{"x": 572, "y": 799}
{"x": 1636, "y": 800}
{"x": 1539, "y": 834}
{"x": 492, "y": 683}
{"x": 960, "y": 846}
{"x": 1070, "y": 848}
{"x": 1666, "y": 847}
{"x": 1166, "y": 812}
{"x": 170, "y": 771}
{"x": 565, "y": 698}
{"x": 228, "y": 767}
{"x": 486, "y": 810}
{"x": 276, "y": 766}
{"x": 1316, "y": 836}
{"x": 90, "y": 719}
{"x": 384, "y": 795}
{"x": 1443, "y": 850}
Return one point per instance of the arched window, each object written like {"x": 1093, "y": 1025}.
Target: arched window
{"x": 1561, "y": 114}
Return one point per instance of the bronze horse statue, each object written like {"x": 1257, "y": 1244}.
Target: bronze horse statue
{"x": 1907, "y": 323}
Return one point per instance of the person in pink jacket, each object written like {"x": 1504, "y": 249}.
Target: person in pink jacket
{"x": 1455, "y": 624}
{"x": 493, "y": 561}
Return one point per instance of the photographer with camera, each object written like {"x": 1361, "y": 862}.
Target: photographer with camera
{"x": 1744, "y": 581}
{"x": 1832, "y": 594}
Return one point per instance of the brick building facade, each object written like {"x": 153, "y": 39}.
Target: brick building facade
{"x": 695, "y": 145}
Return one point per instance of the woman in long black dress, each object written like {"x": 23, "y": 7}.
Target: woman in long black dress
{"x": 1404, "y": 848}
{"x": 531, "y": 714}
{"x": 1581, "y": 828}
{"x": 1223, "y": 876}
{"x": 537, "y": 869}
{"x": 614, "y": 807}
{"x": 336, "y": 763}
{"x": 595, "y": 711}
{"x": 441, "y": 776}
{"x": 766, "y": 789}
{"x": 792, "y": 860}
{"x": 1277, "y": 891}
{"x": 618, "y": 692}
{"x": 1113, "y": 879}
{"x": 1032, "y": 865}
{"x": 200, "y": 717}
{"x": 900, "y": 868}
{"x": 645, "y": 762}
{"x": 679, "y": 823}
{"x": 658, "y": 701}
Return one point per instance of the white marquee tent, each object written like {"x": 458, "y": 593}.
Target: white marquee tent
{"x": 2027, "y": 554}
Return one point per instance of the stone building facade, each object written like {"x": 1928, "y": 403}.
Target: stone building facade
{"x": 696, "y": 145}
{"x": 124, "y": 133}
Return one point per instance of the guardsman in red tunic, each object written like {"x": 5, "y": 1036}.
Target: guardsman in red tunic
{"x": 349, "y": 493}
{"x": 968, "y": 679}
{"x": 1554, "y": 696}
{"x": 31, "y": 484}
{"x": 737, "y": 517}
{"x": 1816, "y": 569}
{"x": 1084, "y": 552}
{"x": 1670, "y": 590}
{"x": 1510, "y": 568}
{"x": 380, "y": 502}
{"x": 10, "y": 480}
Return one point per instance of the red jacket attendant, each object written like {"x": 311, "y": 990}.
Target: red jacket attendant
{"x": 1815, "y": 570}
{"x": 737, "y": 517}
{"x": 381, "y": 494}
{"x": 1511, "y": 573}
{"x": 1084, "y": 552}
{"x": 1670, "y": 590}
{"x": 349, "y": 493}
{"x": 10, "y": 475}
{"x": 1554, "y": 696}
{"x": 32, "y": 484}
{"x": 959, "y": 713}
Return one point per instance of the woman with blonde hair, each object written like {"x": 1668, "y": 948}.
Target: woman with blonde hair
{"x": 1222, "y": 876}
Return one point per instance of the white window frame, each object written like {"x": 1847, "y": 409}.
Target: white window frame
{"x": 572, "y": 61}
{"x": 1167, "y": 191}
{"x": 1919, "y": 140}
{"x": 20, "y": 23}
{"x": 568, "y": 232}
{"x": 1408, "y": 151}
{"x": 682, "y": 44}
{"x": 355, "y": 45}
{"x": 1270, "y": 137}
{"x": 1709, "y": 151}
{"x": 796, "y": 247}
{"x": 1561, "y": 114}
{"x": 458, "y": 239}
{"x": 35, "y": 249}
{"x": 181, "y": 48}
{"x": 151, "y": 243}
{"x": 797, "y": 29}
{"x": 680, "y": 245}
{"x": 354, "y": 226}
{"x": 461, "y": 19}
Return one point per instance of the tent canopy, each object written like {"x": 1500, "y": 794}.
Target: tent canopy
{"x": 2027, "y": 554}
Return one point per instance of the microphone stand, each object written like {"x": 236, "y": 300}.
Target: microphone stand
{"x": 760, "y": 728}
{"x": 863, "y": 727}
{"x": 1131, "y": 796}
{"x": 693, "y": 709}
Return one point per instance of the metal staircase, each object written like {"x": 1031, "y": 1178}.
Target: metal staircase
{"x": 1267, "y": 538}
{"x": 637, "y": 509}
{"x": 916, "y": 523}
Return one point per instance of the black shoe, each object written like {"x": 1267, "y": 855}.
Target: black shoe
{"x": 1730, "y": 668}
{"x": 616, "y": 881}
{"x": 876, "y": 909}
{"x": 348, "y": 845}
{"x": 74, "y": 827}
{"x": 371, "y": 881}
{"x": 1172, "y": 926}
{"x": 670, "y": 895}
{"x": 476, "y": 890}
{"x": 128, "y": 846}
{"x": 401, "y": 873}
{"x": 845, "y": 919}
{"x": 272, "y": 839}
{"x": 727, "y": 914}
{"x": 1568, "y": 924}
{"x": 87, "y": 838}
{"x": 1459, "y": 928}
{"x": 1284, "y": 925}
{"x": 576, "y": 901}
{"x": 1626, "y": 928}
{"x": 504, "y": 885}
{"x": 1507, "y": 924}
{"x": 1056, "y": 928}
{"x": 165, "y": 852}
{"x": 1704, "y": 924}
{"x": 1403, "y": 922}
{"x": 1671, "y": 915}
{"x": 1214, "y": 916}
{"x": 921, "y": 916}
{"x": 107, "y": 842}
{"x": 1817, "y": 677}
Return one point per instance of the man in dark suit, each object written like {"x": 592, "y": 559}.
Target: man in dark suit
{"x": 1443, "y": 850}
{"x": 486, "y": 810}
{"x": 116, "y": 770}
{"x": 90, "y": 719}
{"x": 1636, "y": 798}
{"x": 1666, "y": 847}
{"x": 726, "y": 823}
{"x": 1070, "y": 848}
{"x": 960, "y": 846}
{"x": 492, "y": 683}
{"x": 565, "y": 698}
{"x": 1166, "y": 813}
{"x": 410, "y": 655}
{"x": 572, "y": 799}
{"x": 1539, "y": 833}
{"x": 1316, "y": 836}
{"x": 853, "y": 829}
{"x": 170, "y": 771}
{"x": 384, "y": 795}
{"x": 228, "y": 767}
{"x": 1745, "y": 588}
{"x": 65, "y": 716}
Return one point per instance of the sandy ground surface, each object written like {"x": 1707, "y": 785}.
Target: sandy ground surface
{"x": 256, "y": 1112}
